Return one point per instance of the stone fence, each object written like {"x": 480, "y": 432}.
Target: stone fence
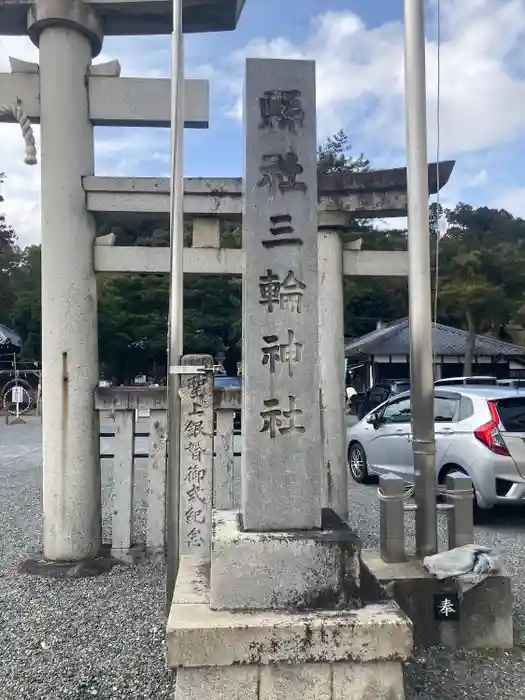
{"x": 140, "y": 412}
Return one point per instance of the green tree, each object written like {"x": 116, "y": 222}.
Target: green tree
{"x": 334, "y": 157}
{"x": 9, "y": 257}
{"x": 26, "y": 315}
{"x": 482, "y": 271}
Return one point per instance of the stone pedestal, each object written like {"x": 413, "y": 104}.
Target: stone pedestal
{"x": 283, "y": 570}
{"x": 485, "y": 613}
{"x": 348, "y": 654}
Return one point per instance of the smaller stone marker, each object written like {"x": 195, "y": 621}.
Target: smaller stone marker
{"x": 196, "y": 471}
{"x": 392, "y": 518}
{"x": 282, "y": 452}
{"x": 460, "y": 496}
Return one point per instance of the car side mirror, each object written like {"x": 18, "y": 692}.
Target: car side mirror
{"x": 374, "y": 420}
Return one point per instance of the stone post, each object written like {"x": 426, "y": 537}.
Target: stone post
{"x": 392, "y": 518}
{"x": 460, "y": 496}
{"x": 281, "y": 480}
{"x": 331, "y": 356}
{"x": 68, "y": 34}
{"x": 196, "y": 449}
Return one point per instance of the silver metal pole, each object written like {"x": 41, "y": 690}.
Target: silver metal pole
{"x": 175, "y": 321}
{"x": 420, "y": 303}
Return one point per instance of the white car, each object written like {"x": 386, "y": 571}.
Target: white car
{"x": 480, "y": 430}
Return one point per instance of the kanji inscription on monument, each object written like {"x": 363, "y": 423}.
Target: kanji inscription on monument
{"x": 196, "y": 458}
{"x": 281, "y": 109}
{"x": 281, "y": 463}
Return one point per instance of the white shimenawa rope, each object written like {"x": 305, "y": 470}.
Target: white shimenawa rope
{"x": 17, "y": 112}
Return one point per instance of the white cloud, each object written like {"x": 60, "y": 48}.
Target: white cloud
{"x": 360, "y": 83}
{"x": 117, "y": 151}
{"x": 479, "y": 179}
{"x": 360, "y": 75}
{"x": 512, "y": 200}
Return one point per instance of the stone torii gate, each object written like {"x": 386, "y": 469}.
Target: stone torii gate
{"x": 68, "y": 96}
{"x": 342, "y": 200}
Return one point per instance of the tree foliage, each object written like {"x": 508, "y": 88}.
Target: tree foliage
{"x": 481, "y": 282}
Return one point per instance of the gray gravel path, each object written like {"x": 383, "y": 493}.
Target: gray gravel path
{"x": 87, "y": 638}
{"x": 104, "y": 637}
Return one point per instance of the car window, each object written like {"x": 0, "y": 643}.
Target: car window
{"x": 397, "y": 412}
{"x": 481, "y": 381}
{"x": 445, "y": 409}
{"x": 449, "y": 382}
{"x": 466, "y": 408}
{"x": 512, "y": 414}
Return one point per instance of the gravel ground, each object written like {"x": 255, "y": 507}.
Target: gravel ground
{"x": 86, "y": 638}
{"x": 104, "y": 637}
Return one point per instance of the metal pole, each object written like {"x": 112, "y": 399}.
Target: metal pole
{"x": 175, "y": 321}
{"x": 420, "y": 305}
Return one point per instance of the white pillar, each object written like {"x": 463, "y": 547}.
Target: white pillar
{"x": 66, "y": 35}
{"x": 331, "y": 354}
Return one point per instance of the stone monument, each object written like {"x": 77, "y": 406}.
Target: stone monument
{"x": 282, "y": 441}
{"x": 275, "y": 611}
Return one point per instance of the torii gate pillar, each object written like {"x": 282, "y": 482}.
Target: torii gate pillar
{"x": 68, "y": 35}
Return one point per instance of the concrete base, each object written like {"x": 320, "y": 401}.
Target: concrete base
{"x": 274, "y": 655}
{"x": 38, "y": 566}
{"x": 314, "y": 569}
{"x": 138, "y": 554}
{"x": 342, "y": 681}
{"x": 485, "y": 612}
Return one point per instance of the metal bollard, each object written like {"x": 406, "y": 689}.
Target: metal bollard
{"x": 460, "y": 515}
{"x": 391, "y": 494}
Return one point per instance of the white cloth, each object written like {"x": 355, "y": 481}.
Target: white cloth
{"x": 469, "y": 566}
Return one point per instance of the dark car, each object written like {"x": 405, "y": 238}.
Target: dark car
{"x": 381, "y": 391}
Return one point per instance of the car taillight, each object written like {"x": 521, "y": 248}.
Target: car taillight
{"x": 490, "y": 435}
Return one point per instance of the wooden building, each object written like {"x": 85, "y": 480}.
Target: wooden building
{"x": 385, "y": 354}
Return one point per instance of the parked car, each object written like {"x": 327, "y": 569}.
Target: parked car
{"x": 381, "y": 391}
{"x": 479, "y": 431}
{"x": 467, "y": 381}
{"x": 516, "y": 383}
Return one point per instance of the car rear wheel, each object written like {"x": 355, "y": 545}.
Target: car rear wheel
{"x": 358, "y": 464}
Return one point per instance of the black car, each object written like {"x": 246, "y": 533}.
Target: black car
{"x": 381, "y": 391}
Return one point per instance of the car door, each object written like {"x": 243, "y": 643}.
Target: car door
{"x": 446, "y": 414}
{"x": 390, "y": 448}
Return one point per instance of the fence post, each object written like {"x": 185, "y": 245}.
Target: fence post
{"x": 123, "y": 483}
{"x": 196, "y": 472}
{"x": 156, "y": 518}
{"x": 392, "y": 518}
{"x": 223, "y": 483}
{"x": 460, "y": 496}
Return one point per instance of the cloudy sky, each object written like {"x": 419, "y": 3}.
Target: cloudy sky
{"x": 358, "y": 47}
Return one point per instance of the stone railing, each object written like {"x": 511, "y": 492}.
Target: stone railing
{"x": 134, "y": 420}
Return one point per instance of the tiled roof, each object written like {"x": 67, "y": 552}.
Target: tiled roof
{"x": 9, "y": 336}
{"x": 393, "y": 339}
